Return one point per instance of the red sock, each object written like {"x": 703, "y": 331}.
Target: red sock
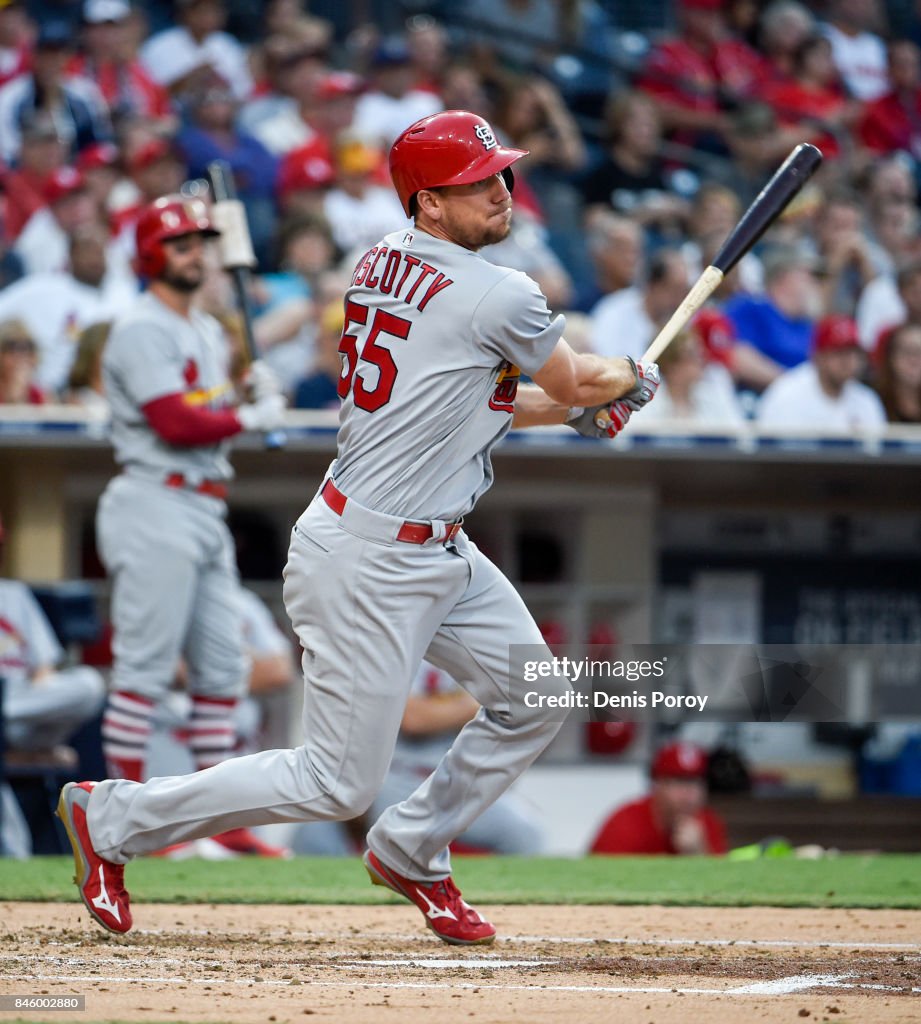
{"x": 126, "y": 727}
{"x": 212, "y": 730}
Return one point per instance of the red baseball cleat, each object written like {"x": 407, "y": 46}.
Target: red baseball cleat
{"x": 243, "y": 841}
{"x": 101, "y": 883}
{"x": 445, "y": 911}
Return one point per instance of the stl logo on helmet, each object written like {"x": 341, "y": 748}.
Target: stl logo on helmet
{"x": 484, "y": 134}
{"x": 170, "y": 219}
{"x": 503, "y": 398}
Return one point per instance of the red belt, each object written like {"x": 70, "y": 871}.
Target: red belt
{"x": 210, "y": 487}
{"x": 409, "y": 533}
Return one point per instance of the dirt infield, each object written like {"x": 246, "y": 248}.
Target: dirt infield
{"x": 552, "y": 964}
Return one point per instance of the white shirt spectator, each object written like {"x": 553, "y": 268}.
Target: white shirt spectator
{"x": 796, "y": 399}
{"x": 861, "y": 62}
{"x": 172, "y": 54}
{"x": 620, "y": 324}
{"x": 43, "y": 248}
{"x": 56, "y": 307}
{"x": 282, "y": 129}
{"x": 363, "y": 222}
{"x": 713, "y": 403}
{"x": 380, "y": 118}
{"x": 880, "y": 306}
{"x": 27, "y": 642}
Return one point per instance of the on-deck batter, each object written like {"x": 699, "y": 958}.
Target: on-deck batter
{"x": 380, "y": 572}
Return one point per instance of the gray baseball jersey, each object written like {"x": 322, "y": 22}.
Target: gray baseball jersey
{"x": 167, "y": 550}
{"x": 445, "y": 334}
{"x": 432, "y": 347}
{"x": 153, "y": 352}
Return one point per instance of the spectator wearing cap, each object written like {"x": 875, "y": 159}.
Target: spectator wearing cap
{"x": 857, "y": 50}
{"x": 305, "y": 177}
{"x": 15, "y": 32}
{"x": 74, "y": 104}
{"x": 192, "y": 54}
{"x": 892, "y": 123}
{"x": 100, "y": 166}
{"x": 897, "y": 376}
{"x": 56, "y": 306}
{"x": 210, "y": 133}
{"x": 627, "y": 321}
{"x": 42, "y": 244}
{"x": 674, "y": 817}
{"x": 41, "y": 154}
{"x": 18, "y": 363}
{"x": 824, "y": 394}
{"x": 694, "y": 74}
{"x": 109, "y": 58}
{"x": 392, "y": 102}
{"x": 779, "y": 324}
{"x": 359, "y": 211}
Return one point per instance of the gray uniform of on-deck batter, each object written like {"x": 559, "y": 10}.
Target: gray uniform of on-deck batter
{"x": 167, "y": 549}
{"x": 431, "y": 394}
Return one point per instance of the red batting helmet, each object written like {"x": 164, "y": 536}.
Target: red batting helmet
{"x": 165, "y": 218}
{"x": 454, "y": 147}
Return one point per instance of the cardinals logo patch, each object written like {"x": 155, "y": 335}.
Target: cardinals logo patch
{"x": 503, "y": 398}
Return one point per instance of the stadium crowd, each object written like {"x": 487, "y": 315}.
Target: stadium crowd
{"x": 639, "y": 166}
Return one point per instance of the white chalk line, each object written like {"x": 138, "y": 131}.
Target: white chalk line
{"x": 781, "y": 986}
{"x": 574, "y": 940}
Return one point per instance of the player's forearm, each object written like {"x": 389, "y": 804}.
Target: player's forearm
{"x": 535, "y": 408}
{"x": 599, "y": 380}
{"x": 270, "y": 672}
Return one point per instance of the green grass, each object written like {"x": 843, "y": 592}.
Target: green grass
{"x": 846, "y": 881}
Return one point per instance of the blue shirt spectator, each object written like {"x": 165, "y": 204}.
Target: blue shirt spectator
{"x": 780, "y": 323}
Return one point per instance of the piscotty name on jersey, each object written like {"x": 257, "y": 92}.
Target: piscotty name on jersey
{"x": 397, "y": 273}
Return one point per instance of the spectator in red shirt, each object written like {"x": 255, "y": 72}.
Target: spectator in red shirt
{"x": 674, "y": 817}
{"x": 893, "y": 121}
{"x": 41, "y": 154}
{"x": 693, "y": 75}
{"x": 110, "y": 60}
{"x": 812, "y": 99}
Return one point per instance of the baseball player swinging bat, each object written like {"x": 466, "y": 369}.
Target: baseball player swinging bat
{"x": 237, "y": 257}
{"x": 767, "y": 206}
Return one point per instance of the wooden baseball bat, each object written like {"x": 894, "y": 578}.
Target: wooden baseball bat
{"x": 766, "y": 207}
{"x": 238, "y": 258}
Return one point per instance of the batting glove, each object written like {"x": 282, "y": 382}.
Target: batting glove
{"x": 266, "y": 414}
{"x": 646, "y": 386}
{"x": 601, "y": 420}
{"x": 261, "y": 381}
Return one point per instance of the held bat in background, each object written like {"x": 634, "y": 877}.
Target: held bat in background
{"x": 237, "y": 257}
{"x": 767, "y": 206}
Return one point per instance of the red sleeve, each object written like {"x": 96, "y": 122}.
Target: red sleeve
{"x": 630, "y": 830}
{"x": 884, "y": 126}
{"x": 716, "y": 832}
{"x": 185, "y": 425}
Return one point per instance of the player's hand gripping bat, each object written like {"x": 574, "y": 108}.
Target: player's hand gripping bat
{"x": 237, "y": 257}
{"x": 767, "y": 206}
